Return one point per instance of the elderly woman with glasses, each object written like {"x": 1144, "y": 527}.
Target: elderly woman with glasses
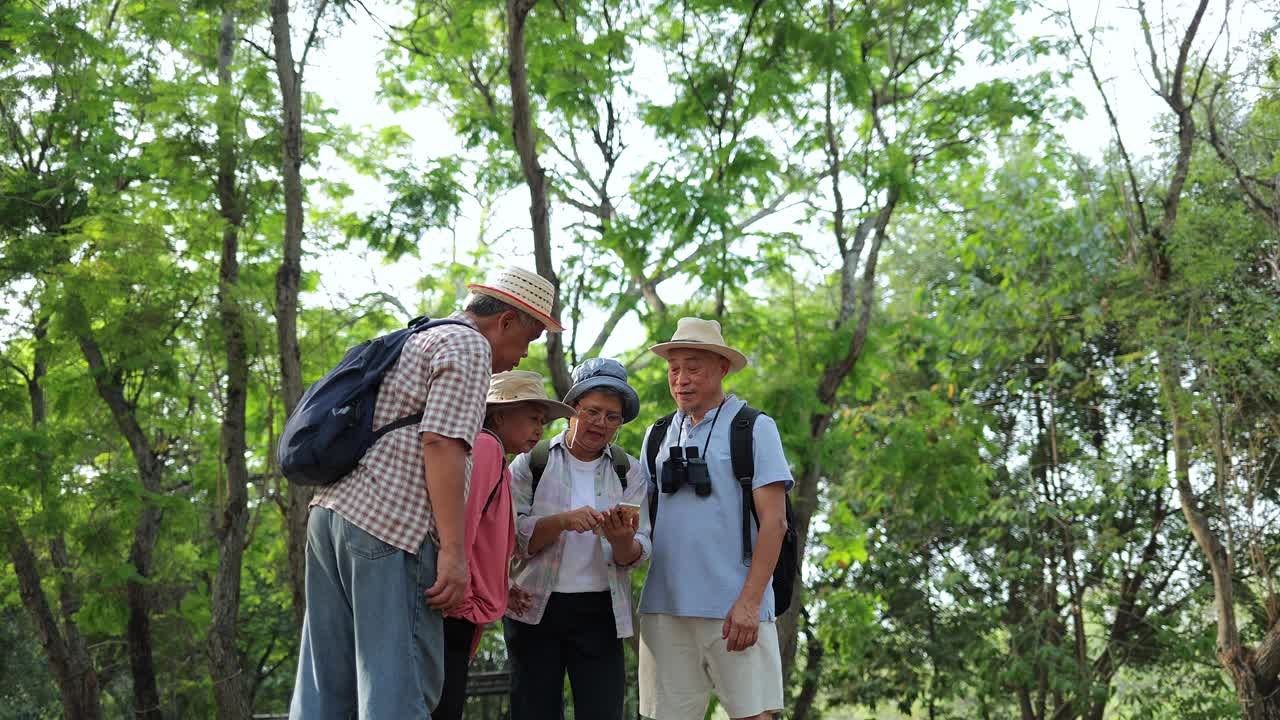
{"x": 579, "y": 532}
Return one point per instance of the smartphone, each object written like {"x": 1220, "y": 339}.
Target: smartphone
{"x": 630, "y": 511}
{"x": 627, "y": 511}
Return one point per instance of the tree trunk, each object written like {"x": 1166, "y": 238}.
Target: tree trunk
{"x": 1255, "y": 702}
{"x": 65, "y": 649}
{"x": 812, "y": 675}
{"x": 230, "y": 690}
{"x": 146, "y": 693}
{"x": 288, "y": 277}
{"x": 1253, "y": 673}
{"x": 535, "y": 177}
{"x": 833, "y": 376}
{"x": 1256, "y": 690}
{"x": 70, "y": 665}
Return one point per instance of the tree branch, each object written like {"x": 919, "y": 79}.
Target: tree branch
{"x": 261, "y": 50}
{"x": 1138, "y": 200}
{"x": 311, "y": 38}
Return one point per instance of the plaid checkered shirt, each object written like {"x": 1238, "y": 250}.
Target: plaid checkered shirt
{"x": 444, "y": 373}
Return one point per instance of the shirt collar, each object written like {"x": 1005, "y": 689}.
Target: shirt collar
{"x": 465, "y": 319}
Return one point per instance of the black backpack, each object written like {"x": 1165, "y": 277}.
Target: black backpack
{"x": 332, "y": 426}
{"x": 542, "y": 451}
{"x": 742, "y": 454}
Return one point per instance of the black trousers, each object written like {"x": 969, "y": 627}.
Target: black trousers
{"x": 458, "y": 634}
{"x": 577, "y": 636}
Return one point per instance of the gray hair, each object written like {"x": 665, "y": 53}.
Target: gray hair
{"x": 485, "y": 306}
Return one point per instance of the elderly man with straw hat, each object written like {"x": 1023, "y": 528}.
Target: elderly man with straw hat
{"x": 707, "y": 609}
{"x": 386, "y": 551}
{"x": 518, "y": 409}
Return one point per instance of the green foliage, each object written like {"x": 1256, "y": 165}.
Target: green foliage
{"x": 994, "y": 527}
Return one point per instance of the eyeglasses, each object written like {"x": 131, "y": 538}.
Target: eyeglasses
{"x": 598, "y": 417}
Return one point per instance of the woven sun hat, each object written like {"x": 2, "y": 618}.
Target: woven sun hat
{"x": 604, "y": 374}
{"x": 517, "y": 386}
{"x": 698, "y": 334}
{"x": 523, "y": 290}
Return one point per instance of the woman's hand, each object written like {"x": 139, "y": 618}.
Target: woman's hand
{"x": 519, "y": 600}
{"x": 619, "y": 527}
{"x": 584, "y": 519}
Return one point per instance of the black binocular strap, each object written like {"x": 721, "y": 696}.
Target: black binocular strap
{"x": 742, "y": 455}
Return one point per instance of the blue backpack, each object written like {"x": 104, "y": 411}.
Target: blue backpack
{"x": 332, "y": 426}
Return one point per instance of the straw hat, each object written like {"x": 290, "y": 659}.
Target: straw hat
{"x": 523, "y": 290}
{"x": 517, "y": 386}
{"x": 698, "y": 334}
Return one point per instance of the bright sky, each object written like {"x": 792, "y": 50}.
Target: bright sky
{"x": 344, "y": 73}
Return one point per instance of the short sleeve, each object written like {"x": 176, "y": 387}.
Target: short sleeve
{"x": 459, "y": 372}
{"x": 770, "y": 459}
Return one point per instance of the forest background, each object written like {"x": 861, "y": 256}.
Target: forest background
{"x": 1008, "y": 274}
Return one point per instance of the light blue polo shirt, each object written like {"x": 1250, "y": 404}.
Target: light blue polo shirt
{"x": 696, "y": 569}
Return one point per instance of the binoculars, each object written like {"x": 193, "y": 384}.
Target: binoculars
{"x": 684, "y": 467}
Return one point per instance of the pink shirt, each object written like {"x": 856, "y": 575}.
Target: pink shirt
{"x": 491, "y": 535}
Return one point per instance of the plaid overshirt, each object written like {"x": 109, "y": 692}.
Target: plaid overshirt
{"x": 442, "y": 372}
{"x": 538, "y": 573}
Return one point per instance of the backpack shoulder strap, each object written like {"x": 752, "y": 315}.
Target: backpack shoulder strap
{"x": 498, "y": 485}
{"x": 652, "y": 446}
{"x": 742, "y": 454}
{"x": 416, "y": 326}
{"x": 537, "y": 465}
{"x": 621, "y": 464}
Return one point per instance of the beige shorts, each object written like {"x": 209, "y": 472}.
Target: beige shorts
{"x": 683, "y": 660}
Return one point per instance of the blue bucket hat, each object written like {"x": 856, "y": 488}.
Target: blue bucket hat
{"x": 604, "y": 374}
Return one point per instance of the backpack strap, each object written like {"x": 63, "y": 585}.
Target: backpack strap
{"x": 541, "y": 454}
{"x": 742, "y": 454}
{"x": 416, "y": 326}
{"x": 537, "y": 465}
{"x": 621, "y": 464}
{"x": 498, "y": 485}
{"x": 656, "y": 433}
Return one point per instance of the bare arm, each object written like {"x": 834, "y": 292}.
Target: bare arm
{"x": 771, "y": 506}
{"x": 743, "y": 624}
{"x": 444, "y": 460}
{"x": 444, "y": 464}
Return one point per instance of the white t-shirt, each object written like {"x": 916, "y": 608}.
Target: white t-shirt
{"x": 582, "y": 565}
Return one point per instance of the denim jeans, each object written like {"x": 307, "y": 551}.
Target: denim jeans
{"x": 371, "y": 647}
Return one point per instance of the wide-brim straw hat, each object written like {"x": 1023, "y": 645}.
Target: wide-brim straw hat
{"x": 523, "y": 290}
{"x": 518, "y": 386}
{"x": 698, "y": 334}
{"x": 602, "y": 374}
